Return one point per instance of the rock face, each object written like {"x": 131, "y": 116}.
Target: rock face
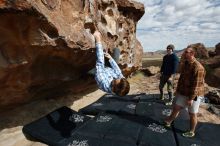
{"x": 151, "y": 70}
{"x": 217, "y": 49}
{"x": 212, "y": 53}
{"x": 213, "y": 96}
{"x": 200, "y": 50}
{"x": 212, "y": 66}
{"x": 46, "y": 49}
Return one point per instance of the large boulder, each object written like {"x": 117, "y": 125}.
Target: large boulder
{"x": 46, "y": 48}
{"x": 151, "y": 70}
{"x": 212, "y": 66}
{"x": 213, "y": 78}
{"x": 200, "y": 50}
{"x": 212, "y": 53}
{"x": 213, "y": 96}
{"x": 217, "y": 49}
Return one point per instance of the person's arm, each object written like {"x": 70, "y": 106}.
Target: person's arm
{"x": 175, "y": 64}
{"x": 99, "y": 56}
{"x": 114, "y": 65}
{"x": 181, "y": 63}
{"x": 162, "y": 66}
{"x": 102, "y": 79}
{"x": 98, "y": 37}
{"x": 100, "y": 62}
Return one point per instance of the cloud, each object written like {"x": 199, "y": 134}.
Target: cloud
{"x": 181, "y": 22}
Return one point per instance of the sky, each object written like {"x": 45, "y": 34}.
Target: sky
{"x": 179, "y": 22}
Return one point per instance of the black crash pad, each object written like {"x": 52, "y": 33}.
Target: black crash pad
{"x": 130, "y": 98}
{"x": 148, "y": 106}
{"x": 153, "y": 109}
{"x": 132, "y": 130}
{"x": 112, "y": 127}
{"x": 110, "y": 106}
{"x": 150, "y": 98}
{"x": 55, "y": 126}
{"x": 155, "y": 134}
{"x": 207, "y": 134}
{"x": 113, "y": 104}
{"x": 157, "y": 111}
{"x": 82, "y": 140}
{"x": 119, "y": 105}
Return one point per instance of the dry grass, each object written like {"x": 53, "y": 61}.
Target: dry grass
{"x": 146, "y": 62}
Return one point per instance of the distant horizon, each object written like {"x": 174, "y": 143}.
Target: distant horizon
{"x": 180, "y": 22}
{"x": 146, "y": 50}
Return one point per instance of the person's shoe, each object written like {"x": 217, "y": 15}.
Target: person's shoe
{"x": 167, "y": 125}
{"x": 188, "y": 134}
{"x": 169, "y": 103}
{"x": 161, "y": 97}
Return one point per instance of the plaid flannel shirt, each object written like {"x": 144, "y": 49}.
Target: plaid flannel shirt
{"x": 191, "y": 81}
{"x": 105, "y": 75}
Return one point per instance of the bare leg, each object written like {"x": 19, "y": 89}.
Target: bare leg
{"x": 174, "y": 114}
{"x": 193, "y": 121}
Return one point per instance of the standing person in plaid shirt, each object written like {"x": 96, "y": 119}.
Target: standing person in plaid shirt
{"x": 109, "y": 79}
{"x": 190, "y": 90}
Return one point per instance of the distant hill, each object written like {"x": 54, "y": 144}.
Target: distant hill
{"x": 153, "y": 54}
{"x": 161, "y": 53}
{"x": 210, "y": 48}
{"x": 179, "y": 52}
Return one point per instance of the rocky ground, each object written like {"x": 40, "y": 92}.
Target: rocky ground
{"x": 12, "y": 121}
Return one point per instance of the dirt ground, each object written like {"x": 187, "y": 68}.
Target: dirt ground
{"x": 11, "y": 122}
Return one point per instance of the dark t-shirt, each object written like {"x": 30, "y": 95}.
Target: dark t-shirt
{"x": 170, "y": 64}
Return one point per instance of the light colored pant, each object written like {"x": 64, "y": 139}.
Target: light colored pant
{"x": 181, "y": 100}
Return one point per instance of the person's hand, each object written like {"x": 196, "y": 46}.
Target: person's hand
{"x": 107, "y": 55}
{"x": 189, "y": 102}
{"x": 170, "y": 78}
{"x": 97, "y": 36}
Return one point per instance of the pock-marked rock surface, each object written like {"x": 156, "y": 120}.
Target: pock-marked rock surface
{"x": 46, "y": 46}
